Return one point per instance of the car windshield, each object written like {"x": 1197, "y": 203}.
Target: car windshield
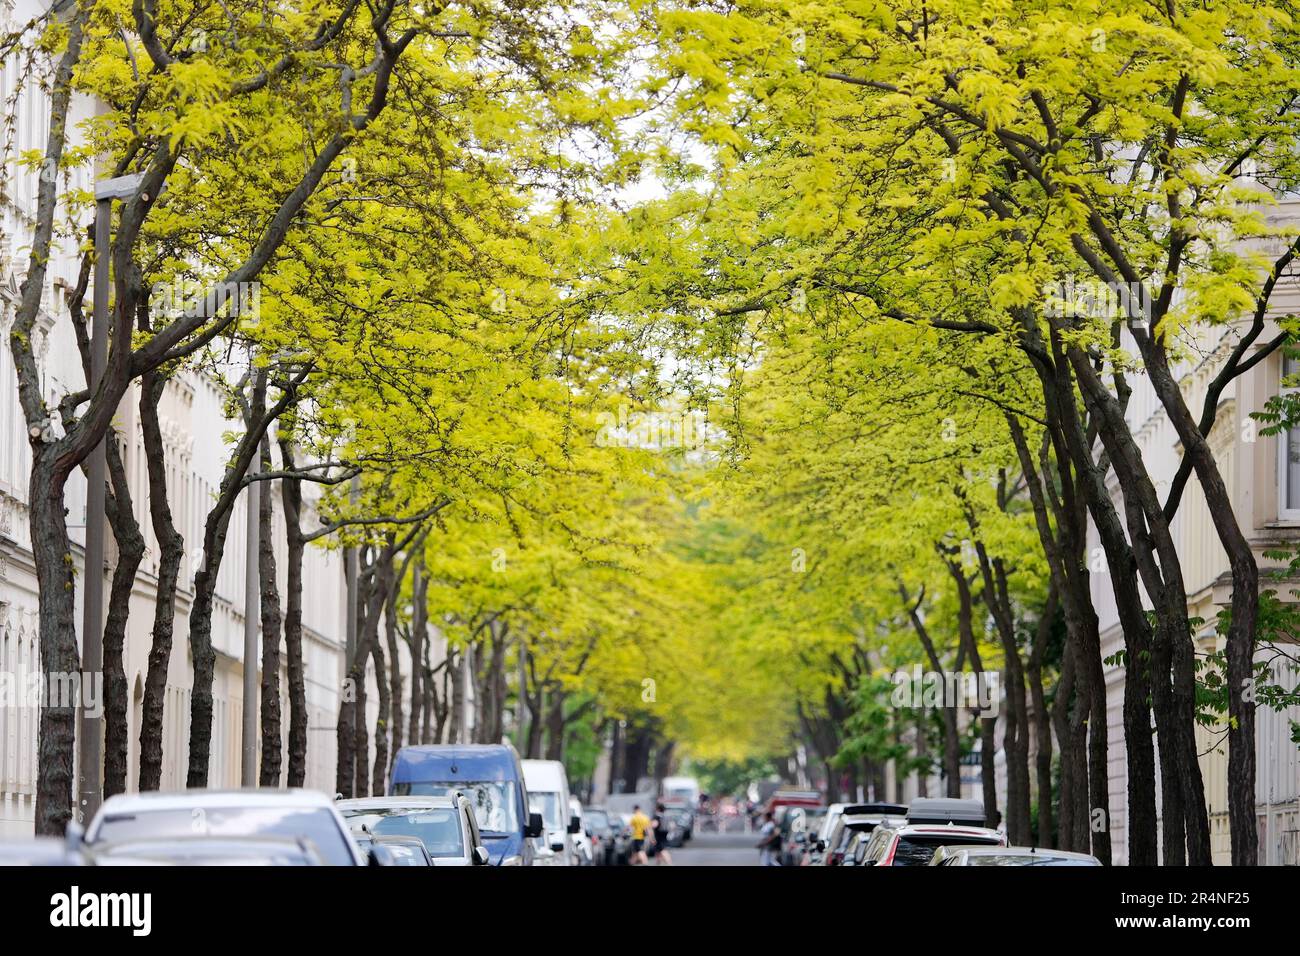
{"x": 493, "y": 800}
{"x": 919, "y": 851}
{"x": 438, "y": 829}
{"x": 596, "y": 820}
{"x": 316, "y": 825}
{"x": 548, "y": 805}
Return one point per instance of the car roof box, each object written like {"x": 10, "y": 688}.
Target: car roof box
{"x": 947, "y": 810}
{"x": 858, "y": 809}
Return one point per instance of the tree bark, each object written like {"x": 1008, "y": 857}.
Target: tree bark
{"x": 171, "y": 546}
{"x": 130, "y": 552}
{"x": 295, "y": 546}
{"x": 272, "y": 741}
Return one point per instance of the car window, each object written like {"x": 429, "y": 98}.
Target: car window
{"x": 318, "y": 825}
{"x": 877, "y": 843}
{"x": 493, "y": 800}
{"x": 919, "y": 850}
{"x": 438, "y": 829}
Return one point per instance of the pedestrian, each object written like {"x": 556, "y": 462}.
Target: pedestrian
{"x": 640, "y": 824}
{"x": 769, "y": 842}
{"x": 659, "y": 832}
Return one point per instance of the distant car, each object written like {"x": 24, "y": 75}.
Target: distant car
{"x": 861, "y": 818}
{"x": 43, "y": 851}
{"x": 1009, "y": 856}
{"x": 604, "y": 831}
{"x": 683, "y": 812}
{"x": 680, "y": 822}
{"x": 209, "y": 851}
{"x": 794, "y": 798}
{"x": 445, "y": 825}
{"x": 294, "y": 814}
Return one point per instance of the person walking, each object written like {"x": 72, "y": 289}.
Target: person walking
{"x": 769, "y": 842}
{"x": 659, "y": 831}
{"x": 640, "y": 825}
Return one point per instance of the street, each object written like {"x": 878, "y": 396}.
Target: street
{"x": 718, "y": 849}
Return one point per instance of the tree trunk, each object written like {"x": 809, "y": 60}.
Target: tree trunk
{"x": 1042, "y": 719}
{"x": 419, "y": 637}
{"x": 171, "y": 546}
{"x": 295, "y": 546}
{"x": 988, "y": 725}
{"x": 205, "y": 585}
{"x": 396, "y": 720}
{"x": 1153, "y": 541}
{"x": 555, "y": 726}
{"x": 1240, "y": 644}
{"x": 382, "y": 723}
{"x": 130, "y": 552}
{"x": 58, "y": 639}
{"x": 272, "y": 741}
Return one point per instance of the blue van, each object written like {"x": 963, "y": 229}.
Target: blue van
{"x": 491, "y": 777}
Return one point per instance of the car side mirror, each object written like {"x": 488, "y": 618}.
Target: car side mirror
{"x": 575, "y": 824}
{"x": 557, "y": 846}
{"x": 535, "y": 826}
{"x": 481, "y": 856}
{"x": 380, "y": 855}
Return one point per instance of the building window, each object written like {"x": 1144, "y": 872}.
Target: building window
{"x": 1288, "y": 486}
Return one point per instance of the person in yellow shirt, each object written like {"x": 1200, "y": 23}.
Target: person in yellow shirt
{"x": 640, "y": 825}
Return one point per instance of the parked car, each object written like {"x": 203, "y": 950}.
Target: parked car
{"x": 794, "y": 798}
{"x": 680, "y": 821}
{"x": 406, "y": 851}
{"x": 582, "y": 841}
{"x": 609, "y": 842}
{"x": 548, "y": 794}
{"x": 491, "y": 777}
{"x": 446, "y": 826}
{"x": 1009, "y": 856}
{"x": 209, "y": 851}
{"x": 221, "y": 814}
{"x": 683, "y": 816}
{"x": 43, "y": 851}
{"x": 930, "y": 824}
{"x": 860, "y": 818}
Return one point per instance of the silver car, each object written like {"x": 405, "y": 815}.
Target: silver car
{"x": 446, "y": 825}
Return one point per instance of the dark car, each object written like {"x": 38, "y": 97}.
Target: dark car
{"x": 491, "y": 777}
{"x": 403, "y": 850}
{"x": 609, "y": 845}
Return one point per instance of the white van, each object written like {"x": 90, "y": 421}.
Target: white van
{"x": 548, "y": 794}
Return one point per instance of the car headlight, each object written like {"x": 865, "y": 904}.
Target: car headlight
{"x": 512, "y": 861}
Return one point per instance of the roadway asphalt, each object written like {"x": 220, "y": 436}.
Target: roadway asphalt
{"x": 718, "y": 849}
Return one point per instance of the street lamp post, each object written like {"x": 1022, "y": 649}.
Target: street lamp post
{"x": 90, "y": 755}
